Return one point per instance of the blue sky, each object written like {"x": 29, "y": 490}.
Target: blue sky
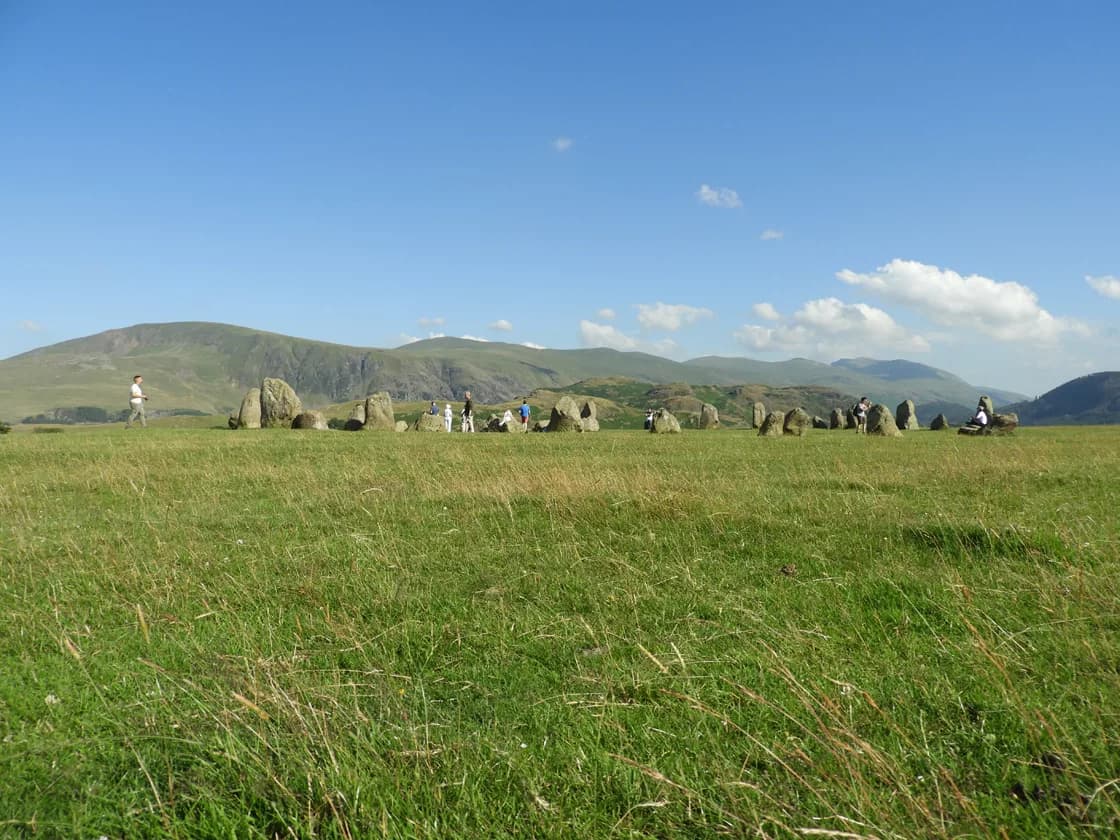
{"x": 937, "y": 182}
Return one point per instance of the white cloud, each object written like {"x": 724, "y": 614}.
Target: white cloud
{"x": 766, "y": 311}
{"x": 409, "y": 339}
{"x": 830, "y": 327}
{"x": 475, "y": 338}
{"x": 1107, "y": 286}
{"x": 533, "y": 346}
{"x": 606, "y": 314}
{"x": 605, "y": 335}
{"x": 670, "y": 316}
{"x": 562, "y": 144}
{"x": 718, "y": 197}
{"x": 1006, "y": 311}
{"x": 426, "y": 321}
{"x": 770, "y": 234}
{"x": 593, "y": 334}
{"x": 501, "y": 325}
{"x": 31, "y": 326}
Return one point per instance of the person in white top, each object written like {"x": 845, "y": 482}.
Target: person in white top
{"x": 981, "y": 418}
{"x": 136, "y": 397}
{"x": 447, "y": 416}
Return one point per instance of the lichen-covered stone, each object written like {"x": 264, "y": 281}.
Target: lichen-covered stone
{"x": 880, "y": 421}
{"x": 379, "y": 413}
{"x": 664, "y": 423}
{"x": 280, "y": 404}
{"x": 771, "y": 426}
{"x": 249, "y": 416}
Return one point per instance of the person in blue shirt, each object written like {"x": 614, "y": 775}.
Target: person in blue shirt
{"x": 433, "y": 409}
{"x": 524, "y": 410}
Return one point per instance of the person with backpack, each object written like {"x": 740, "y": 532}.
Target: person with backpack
{"x": 860, "y": 410}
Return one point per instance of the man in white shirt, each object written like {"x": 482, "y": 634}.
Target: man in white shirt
{"x": 136, "y": 397}
{"x": 981, "y": 418}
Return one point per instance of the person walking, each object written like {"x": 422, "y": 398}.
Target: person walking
{"x": 524, "y": 412}
{"x": 447, "y": 416}
{"x": 468, "y": 412}
{"x": 136, "y": 398}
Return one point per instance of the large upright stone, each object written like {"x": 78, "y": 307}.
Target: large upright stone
{"x": 850, "y": 421}
{"x": 279, "y": 404}
{"x": 565, "y": 416}
{"x": 906, "y": 416}
{"x": 836, "y": 419}
{"x": 797, "y": 422}
{"x": 588, "y": 417}
{"x": 664, "y": 423}
{"x": 310, "y": 420}
{"x": 379, "y": 413}
{"x": 772, "y": 425}
{"x": 986, "y": 401}
{"x": 425, "y": 423}
{"x": 939, "y": 423}
{"x": 709, "y": 416}
{"x": 880, "y": 421}
{"x": 249, "y": 417}
{"x": 758, "y": 415}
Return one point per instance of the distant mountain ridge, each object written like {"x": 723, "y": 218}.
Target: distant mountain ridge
{"x": 1085, "y": 401}
{"x": 208, "y": 366}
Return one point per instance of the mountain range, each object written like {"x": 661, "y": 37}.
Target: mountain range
{"x": 207, "y": 367}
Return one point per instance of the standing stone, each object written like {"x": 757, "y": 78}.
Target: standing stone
{"x": 357, "y": 420}
{"x": 425, "y": 423}
{"x": 819, "y": 423}
{"x": 758, "y": 415}
{"x": 588, "y": 418}
{"x": 986, "y": 401}
{"x": 310, "y": 420}
{"x": 401, "y": 426}
{"x": 836, "y": 419}
{"x": 796, "y": 422}
{"x": 850, "y": 419}
{"x": 279, "y": 404}
{"x": 664, "y": 423}
{"x": 772, "y": 425}
{"x": 379, "y": 413}
{"x": 709, "y": 416}
{"x": 939, "y": 422}
{"x": 1004, "y": 424}
{"x": 880, "y": 421}
{"x": 565, "y": 416}
{"x": 906, "y": 416}
{"x": 540, "y": 426}
{"x": 249, "y": 417}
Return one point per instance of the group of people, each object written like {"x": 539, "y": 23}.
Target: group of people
{"x": 466, "y": 414}
{"x": 861, "y": 409}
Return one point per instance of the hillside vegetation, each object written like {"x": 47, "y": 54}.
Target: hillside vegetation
{"x": 207, "y": 367}
{"x": 1088, "y": 400}
{"x": 213, "y": 634}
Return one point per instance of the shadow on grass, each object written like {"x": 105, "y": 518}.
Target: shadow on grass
{"x": 977, "y": 542}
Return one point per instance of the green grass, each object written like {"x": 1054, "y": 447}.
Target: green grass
{"x": 278, "y": 634}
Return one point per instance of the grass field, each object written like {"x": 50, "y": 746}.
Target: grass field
{"x": 277, "y": 634}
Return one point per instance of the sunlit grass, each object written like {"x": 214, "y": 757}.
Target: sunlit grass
{"x": 279, "y": 634}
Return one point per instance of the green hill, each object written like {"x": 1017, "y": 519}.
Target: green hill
{"x": 1087, "y": 400}
{"x": 207, "y": 367}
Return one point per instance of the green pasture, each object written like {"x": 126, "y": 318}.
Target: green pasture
{"x": 277, "y": 634}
